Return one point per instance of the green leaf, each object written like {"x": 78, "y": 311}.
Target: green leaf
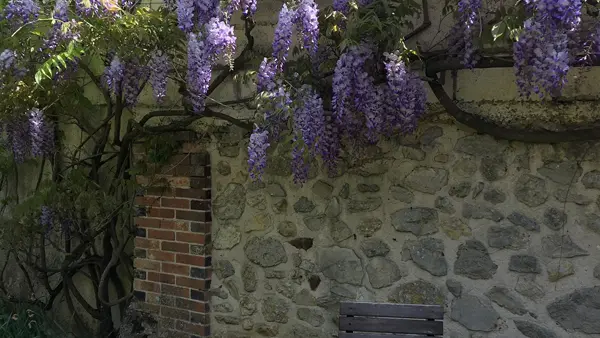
{"x": 498, "y": 30}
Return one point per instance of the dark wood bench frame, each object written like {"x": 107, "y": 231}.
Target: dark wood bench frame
{"x": 385, "y": 320}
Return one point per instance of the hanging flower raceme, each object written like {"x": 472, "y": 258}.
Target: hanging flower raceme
{"x": 17, "y": 130}
{"x": 265, "y": 77}
{"x": 257, "y": 153}
{"x": 309, "y": 126}
{"x": 220, "y": 38}
{"x": 159, "y": 70}
{"x": 307, "y": 18}
{"x": 133, "y": 78}
{"x": 406, "y": 97}
{"x": 206, "y": 10}
{"x": 283, "y": 35}
{"x": 62, "y": 29}
{"x": 46, "y": 218}
{"x": 463, "y": 32}
{"x": 7, "y": 60}
{"x": 42, "y": 134}
{"x": 185, "y": 15}
{"x": 198, "y": 71}
{"x": 20, "y": 12}
{"x": 342, "y": 6}
{"x": 542, "y": 54}
{"x": 202, "y": 54}
{"x": 113, "y": 75}
{"x": 248, "y": 7}
{"x": 352, "y": 89}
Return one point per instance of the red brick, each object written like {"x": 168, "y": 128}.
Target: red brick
{"x": 175, "y": 225}
{"x": 190, "y": 237}
{"x": 159, "y": 191}
{"x": 176, "y": 269}
{"x": 200, "y": 194}
{"x": 161, "y": 277}
{"x": 201, "y": 330}
{"x": 197, "y": 216}
{"x": 162, "y": 213}
{"x": 174, "y": 246}
{"x": 170, "y": 312}
{"x": 162, "y": 256}
{"x": 175, "y": 291}
{"x": 144, "y": 222}
{"x": 178, "y": 203}
{"x": 144, "y": 243}
{"x": 199, "y": 284}
{"x": 147, "y": 201}
{"x": 145, "y": 264}
{"x": 142, "y": 285}
{"x": 190, "y": 259}
{"x": 191, "y": 305}
{"x": 161, "y": 234}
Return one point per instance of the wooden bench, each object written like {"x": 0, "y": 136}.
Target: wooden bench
{"x": 383, "y": 320}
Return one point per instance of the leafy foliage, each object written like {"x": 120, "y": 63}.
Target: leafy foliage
{"x": 25, "y": 321}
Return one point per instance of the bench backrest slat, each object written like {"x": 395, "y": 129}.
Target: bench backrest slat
{"x": 391, "y": 325}
{"x": 385, "y": 320}
{"x": 391, "y": 310}
{"x": 378, "y": 335}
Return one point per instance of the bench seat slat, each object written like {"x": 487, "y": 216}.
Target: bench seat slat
{"x": 380, "y": 335}
{"x": 391, "y": 325}
{"x": 392, "y": 310}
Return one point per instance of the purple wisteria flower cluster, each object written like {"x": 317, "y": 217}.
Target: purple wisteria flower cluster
{"x": 20, "y": 12}
{"x": 159, "y": 70}
{"x": 462, "y": 34}
{"x": 308, "y": 120}
{"x": 113, "y": 75}
{"x": 30, "y": 135}
{"x": 8, "y": 60}
{"x": 354, "y": 90}
{"x": 63, "y": 29}
{"x": 42, "y": 134}
{"x": 17, "y": 130}
{"x": 406, "y": 97}
{"x": 542, "y": 55}
{"x": 195, "y": 13}
{"x": 47, "y": 218}
{"x": 309, "y": 126}
{"x": 257, "y": 153}
{"x": 202, "y": 55}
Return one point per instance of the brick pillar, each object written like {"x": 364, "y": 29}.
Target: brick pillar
{"x": 172, "y": 255}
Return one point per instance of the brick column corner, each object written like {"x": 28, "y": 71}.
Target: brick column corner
{"x": 172, "y": 255}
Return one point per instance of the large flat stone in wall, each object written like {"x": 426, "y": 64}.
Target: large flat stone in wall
{"x": 417, "y": 220}
{"x": 578, "y": 311}
{"x": 474, "y": 313}
{"x": 230, "y": 204}
{"x": 427, "y": 179}
{"x": 341, "y": 265}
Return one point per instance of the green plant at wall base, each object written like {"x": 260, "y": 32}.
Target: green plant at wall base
{"x": 26, "y": 321}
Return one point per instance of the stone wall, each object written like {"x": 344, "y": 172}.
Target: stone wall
{"x": 505, "y": 234}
